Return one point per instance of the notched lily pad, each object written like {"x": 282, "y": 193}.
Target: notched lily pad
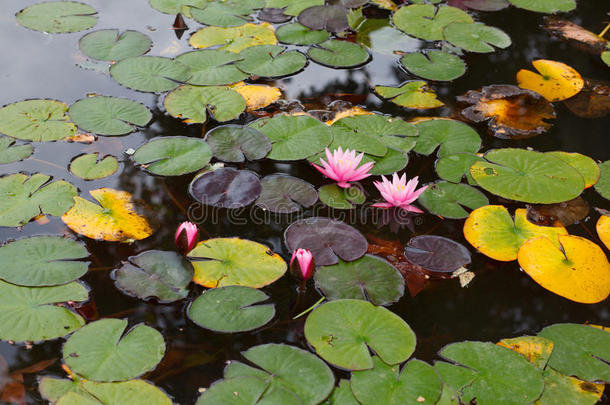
{"x": 234, "y": 39}
{"x": 427, "y": 22}
{"x": 338, "y": 54}
{"x": 58, "y": 17}
{"x": 226, "y": 188}
{"x": 236, "y": 143}
{"x": 154, "y": 74}
{"x": 270, "y": 61}
{"x": 448, "y": 200}
{"x": 110, "y": 45}
{"x": 173, "y": 155}
{"x": 456, "y": 166}
{"x": 91, "y": 167}
{"x": 341, "y": 198}
{"x": 192, "y": 103}
{"x": 476, "y": 37}
{"x": 273, "y": 15}
{"x": 412, "y": 94}
{"x": 450, "y": 136}
{"x": 285, "y": 194}
{"x": 556, "y": 81}
{"x": 36, "y": 120}
{"x": 297, "y": 34}
{"x": 434, "y": 65}
{"x": 437, "y": 253}
{"x": 545, "y": 6}
{"x": 329, "y": 18}
{"x": 9, "y": 152}
{"x": 212, "y": 67}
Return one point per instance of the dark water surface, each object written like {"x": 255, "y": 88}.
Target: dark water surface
{"x": 500, "y": 302}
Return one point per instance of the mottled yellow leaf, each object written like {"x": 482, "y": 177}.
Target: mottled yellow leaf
{"x": 257, "y": 95}
{"x": 537, "y": 350}
{"x": 348, "y": 112}
{"x": 234, "y": 39}
{"x": 603, "y": 229}
{"x": 556, "y": 81}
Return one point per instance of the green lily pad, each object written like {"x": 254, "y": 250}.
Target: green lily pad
{"x": 476, "y": 37}
{"x": 342, "y": 331}
{"x": 603, "y": 184}
{"x": 529, "y": 176}
{"x": 545, "y": 6}
{"x": 452, "y": 137}
{"x": 32, "y": 313}
{"x": 10, "y": 153}
{"x": 90, "y": 167}
{"x": 393, "y": 161}
{"x": 297, "y": 34}
{"x": 287, "y": 368}
{"x": 448, "y": 199}
{"x": 154, "y": 74}
{"x": 434, "y": 65}
{"x": 294, "y": 137}
{"x": 285, "y": 194}
{"x": 176, "y": 6}
{"x": 236, "y": 143}
{"x": 231, "y": 309}
{"x": 342, "y": 395}
{"x": 293, "y": 7}
{"x": 156, "y": 274}
{"x": 383, "y": 384}
{"x": 341, "y": 198}
{"x": 109, "y": 115}
{"x": 426, "y": 21}
{"x": 391, "y": 131}
{"x": 42, "y": 261}
{"x": 23, "y": 198}
{"x": 173, "y": 155}
{"x": 110, "y": 45}
{"x": 104, "y": 351}
{"x": 412, "y": 94}
{"x": 212, "y": 67}
{"x": 192, "y": 102}
{"x": 338, "y": 54}
{"x": 58, "y": 17}
{"x": 36, "y": 120}
{"x": 270, "y": 61}
{"x": 455, "y": 166}
{"x": 587, "y": 167}
{"x": 490, "y": 373}
{"x": 606, "y": 57}
{"x": 234, "y": 39}
{"x": 380, "y": 37}
{"x": 222, "y": 262}
{"x": 579, "y": 350}
{"x": 369, "y": 278}
{"x": 223, "y": 14}
{"x": 246, "y": 390}
{"x": 563, "y": 389}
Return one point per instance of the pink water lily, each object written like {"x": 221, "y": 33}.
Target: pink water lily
{"x": 186, "y": 237}
{"x": 399, "y": 193}
{"x": 343, "y": 167}
{"x": 301, "y": 264}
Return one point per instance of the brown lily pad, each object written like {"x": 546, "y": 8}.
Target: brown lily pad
{"x": 560, "y": 214}
{"x": 593, "y": 101}
{"x": 575, "y": 35}
{"x": 510, "y": 112}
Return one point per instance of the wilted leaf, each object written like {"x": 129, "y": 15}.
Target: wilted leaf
{"x": 556, "y": 81}
{"x": 575, "y": 34}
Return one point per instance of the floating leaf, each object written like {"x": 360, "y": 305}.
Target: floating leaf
{"x": 342, "y": 332}
{"x": 329, "y": 18}
{"x": 560, "y": 214}
{"x": 413, "y": 94}
{"x": 452, "y": 137}
{"x": 481, "y": 5}
{"x": 223, "y": 262}
{"x": 235, "y": 143}
{"x": 368, "y": 278}
{"x": 212, "y": 67}
{"x": 510, "y": 112}
{"x": 257, "y": 96}
{"x": 173, "y": 155}
{"x": 32, "y": 313}
{"x": 42, "y": 261}
{"x": 341, "y": 198}
{"x": 153, "y": 74}
{"x": 529, "y": 176}
{"x": 394, "y": 161}
{"x": 537, "y": 350}
{"x": 226, "y": 188}
{"x": 476, "y": 37}
{"x": 575, "y": 34}
{"x": 23, "y": 198}
{"x": 286, "y": 368}
{"x": 270, "y": 61}
{"x": 58, "y": 17}
{"x": 390, "y": 131}
{"x": 231, "y": 309}
{"x": 285, "y": 194}
{"x": 434, "y": 65}
{"x": 603, "y": 229}
{"x": 223, "y": 14}
{"x": 297, "y": 34}
{"x": 447, "y": 199}
{"x": 192, "y": 102}
{"x": 383, "y": 384}
{"x": 155, "y": 274}
{"x": 545, "y": 6}
{"x": 109, "y": 45}
{"x": 559, "y": 388}
{"x": 427, "y": 22}
{"x": 176, "y": 6}
{"x": 10, "y": 153}
{"x": 90, "y": 167}
{"x": 603, "y": 184}
{"x": 247, "y": 390}
{"x": 116, "y": 219}
{"x": 456, "y": 166}
{"x": 579, "y": 271}
{"x": 327, "y": 239}
{"x": 342, "y": 395}
{"x": 293, "y": 7}
{"x": 495, "y": 375}
{"x": 104, "y": 351}
{"x": 36, "y": 120}
{"x": 556, "y": 81}
{"x": 294, "y": 137}
{"x": 234, "y": 39}
{"x": 491, "y": 231}
{"x": 436, "y": 253}
{"x": 273, "y": 15}
{"x": 380, "y": 37}
{"x": 338, "y": 54}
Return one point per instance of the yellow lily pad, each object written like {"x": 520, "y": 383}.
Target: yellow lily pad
{"x": 257, "y": 96}
{"x": 234, "y": 39}
{"x": 492, "y": 231}
{"x": 117, "y": 218}
{"x": 537, "y": 350}
{"x": 603, "y": 229}
{"x": 556, "y": 81}
{"x": 577, "y": 270}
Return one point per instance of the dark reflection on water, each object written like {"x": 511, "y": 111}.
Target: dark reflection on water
{"x": 500, "y": 302}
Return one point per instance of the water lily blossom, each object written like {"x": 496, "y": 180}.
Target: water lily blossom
{"x": 343, "y": 166}
{"x": 399, "y": 193}
{"x": 186, "y": 237}
{"x": 301, "y": 264}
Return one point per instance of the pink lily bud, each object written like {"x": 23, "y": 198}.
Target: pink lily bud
{"x": 301, "y": 264}
{"x": 186, "y": 237}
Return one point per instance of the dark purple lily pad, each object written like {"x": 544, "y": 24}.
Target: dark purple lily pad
{"x": 329, "y": 18}
{"x": 436, "y": 253}
{"x": 327, "y": 239}
{"x": 273, "y": 15}
{"x": 226, "y": 188}
{"x": 285, "y": 194}
{"x": 348, "y": 3}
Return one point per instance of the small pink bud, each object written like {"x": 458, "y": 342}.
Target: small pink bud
{"x": 301, "y": 264}
{"x": 186, "y": 237}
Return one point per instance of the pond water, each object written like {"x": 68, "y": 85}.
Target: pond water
{"x": 501, "y": 301}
